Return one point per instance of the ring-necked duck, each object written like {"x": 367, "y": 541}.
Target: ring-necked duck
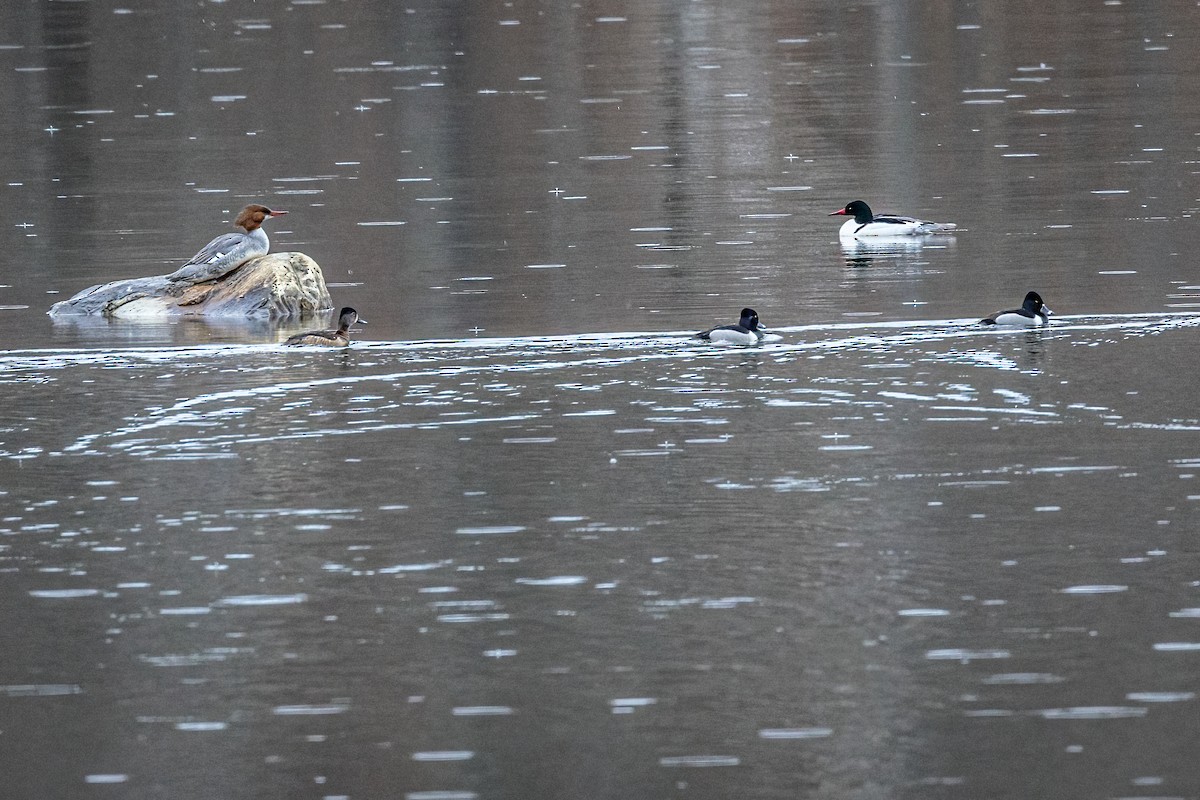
{"x": 747, "y": 331}
{"x": 229, "y": 250}
{"x": 1031, "y": 313}
{"x": 867, "y": 224}
{"x": 338, "y": 338}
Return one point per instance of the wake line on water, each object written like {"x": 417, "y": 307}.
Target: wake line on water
{"x": 220, "y": 441}
{"x": 560, "y": 353}
{"x": 191, "y": 410}
{"x": 181, "y": 412}
{"x": 924, "y": 330}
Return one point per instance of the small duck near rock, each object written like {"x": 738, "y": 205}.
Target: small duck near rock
{"x": 1033, "y": 312}
{"x": 339, "y": 338}
{"x": 747, "y": 331}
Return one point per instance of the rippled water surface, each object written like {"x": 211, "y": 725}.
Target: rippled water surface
{"x": 526, "y": 538}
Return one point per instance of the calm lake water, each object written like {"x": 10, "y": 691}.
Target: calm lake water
{"x": 526, "y": 538}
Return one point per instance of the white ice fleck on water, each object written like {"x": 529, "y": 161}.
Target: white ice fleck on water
{"x": 699, "y": 761}
{"x": 1091, "y": 712}
{"x": 1186, "y": 613}
{"x": 499, "y": 653}
{"x": 558, "y": 580}
{"x": 263, "y": 600}
{"x": 1161, "y": 697}
{"x": 310, "y": 710}
{"x": 489, "y": 530}
{"x": 443, "y": 755}
{"x": 964, "y": 655}
{"x": 794, "y": 733}
{"x": 468, "y": 618}
{"x": 184, "y": 611}
{"x": 482, "y": 711}
{"x": 201, "y": 726}
{"x": 40, "y": 690}
{"x": 1022, "y": 679}
{"x": 1177, "y": 647}
{"x": 413, "y": 567}
{"x": 63, "y": 594}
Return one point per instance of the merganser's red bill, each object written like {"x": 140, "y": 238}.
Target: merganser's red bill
{"x": 840, "y": 212}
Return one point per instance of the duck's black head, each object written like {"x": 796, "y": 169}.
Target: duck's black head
{"x": 857, "y": 209}
{"x": 347, "y": 317}
{"x": 1033, "y": 302}
{"x": 749, "y": 319}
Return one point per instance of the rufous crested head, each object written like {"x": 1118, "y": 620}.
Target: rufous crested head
{"x": 253, "y": 215}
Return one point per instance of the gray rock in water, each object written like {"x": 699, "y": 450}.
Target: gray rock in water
{"x": 275, "y": 285}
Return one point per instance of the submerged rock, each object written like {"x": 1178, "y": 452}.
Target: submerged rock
{"x": 274, "y": 285}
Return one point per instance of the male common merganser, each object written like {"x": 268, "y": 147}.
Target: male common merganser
{"x": 867, "y": 224}
{"x": 1031, "y": 313}
{"x": 229, "y": 250}
{"x": 339, "y": 338}
{"x": 747, "y": 331}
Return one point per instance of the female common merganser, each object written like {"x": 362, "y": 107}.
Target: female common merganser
{"x": 229, "y": 250}
{"x": 1031, "y": 313}
{"x": 339, "y": 338}
{"x": 867, "y": 224}
{"x": 747, "y": 331}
